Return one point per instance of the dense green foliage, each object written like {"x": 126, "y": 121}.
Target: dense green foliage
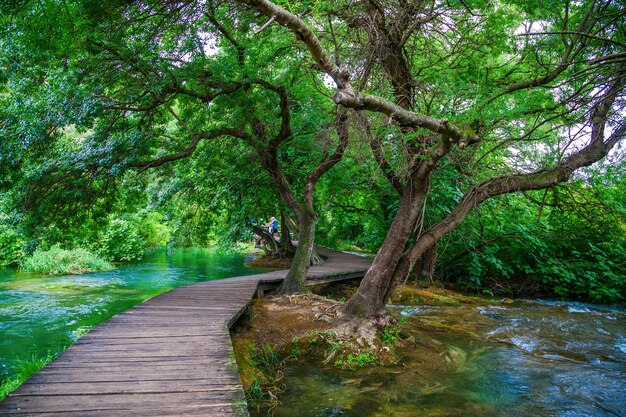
{"x": 57, "y": 261}
{"x": 11, "y": 247}
{"x": 567, "y": 242}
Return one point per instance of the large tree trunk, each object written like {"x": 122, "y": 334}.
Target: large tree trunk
{"x": 388, "y": 267}
{"x": 295, "y": 281}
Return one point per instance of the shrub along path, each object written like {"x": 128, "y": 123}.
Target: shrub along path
{"x": 170, "y": 356}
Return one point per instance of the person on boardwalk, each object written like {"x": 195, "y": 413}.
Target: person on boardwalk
{"x": 273, "y": 226}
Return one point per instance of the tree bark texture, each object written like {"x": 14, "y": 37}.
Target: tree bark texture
{"x": 379, "y": 281}
{"x": 295, "y": 281}
{"x": 285, "y": 235}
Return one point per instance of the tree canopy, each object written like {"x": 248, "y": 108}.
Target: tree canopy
{"x": 408, "y": 114}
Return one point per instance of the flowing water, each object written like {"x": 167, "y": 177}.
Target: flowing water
{"x": 522, "y": 359}
{"x": 528, "y": 358}
{"x": 41, "y": 314}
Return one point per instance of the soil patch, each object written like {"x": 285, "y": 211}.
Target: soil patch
{"x": 270, "y": 262}
{"x": 279, "y": 319}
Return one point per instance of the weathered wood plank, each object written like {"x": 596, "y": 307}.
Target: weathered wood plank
{"x": 215, "y": 409}
{"x": 64, "y": 403}
{"x": 129, "y": 387}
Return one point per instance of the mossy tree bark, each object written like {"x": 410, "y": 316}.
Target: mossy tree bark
{"x": 295, "y": 281}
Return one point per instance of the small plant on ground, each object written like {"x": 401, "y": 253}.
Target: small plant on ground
{"x": 390, "y": 335}
{"x": 265, "y": 358}
{"x": 359, "y": 360}
{"x": 254, "y": 393}
{"x": 57, "y": 261}
{"x": 262, "y": 377}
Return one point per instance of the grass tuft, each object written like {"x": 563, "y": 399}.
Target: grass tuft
{"x": 22, "y": 370}
{"x": 57, "y": 261}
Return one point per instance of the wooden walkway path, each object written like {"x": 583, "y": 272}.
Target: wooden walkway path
{"x": 170, "y": 356}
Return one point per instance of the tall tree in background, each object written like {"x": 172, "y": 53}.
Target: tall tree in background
{"x": 520, "y": 95}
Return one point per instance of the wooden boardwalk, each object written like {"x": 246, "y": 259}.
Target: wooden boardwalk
{"x": 170, "y": 356}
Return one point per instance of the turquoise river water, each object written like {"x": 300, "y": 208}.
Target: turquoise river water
{"x": 527, "y": 358}
{"x": 46, "y": 314}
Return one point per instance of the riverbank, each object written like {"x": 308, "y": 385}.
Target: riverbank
{"x": 445, "y": 354}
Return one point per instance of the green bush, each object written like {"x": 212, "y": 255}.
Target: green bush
{"x": 57, "y": 261}
{"x": 11, "y": 246}
{"x": 598, "y": 273}
{"x": 122, "y": 241}
{"x": 152, "y": 230}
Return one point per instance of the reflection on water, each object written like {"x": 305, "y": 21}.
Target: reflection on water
{"x": 38, "y": 314}
{"x": 529, "y": 359}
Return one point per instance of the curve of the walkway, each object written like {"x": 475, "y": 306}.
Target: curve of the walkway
{"x": 170, "y": 356}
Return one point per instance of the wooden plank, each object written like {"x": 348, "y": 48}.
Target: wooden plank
{"x": 210, "y": 409}
{"x": 126, "y": 387}
{"x": 173, "y": 372}
{"x": 63, "y": 403}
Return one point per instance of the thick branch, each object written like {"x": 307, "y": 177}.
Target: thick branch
{"x": 261, "y": 231}
{"x": 269, "y": 160}
{"x": 303, "y": 33}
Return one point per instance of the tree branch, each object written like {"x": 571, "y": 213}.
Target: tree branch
{"x": 189, "y": 150}
{"x": 241, "y": 51}
{"x": 332, "y": 160}
{"x": 285, "y": 113}
{"x": 597, "y": 148}
{"x": 577, "y": 33}
{"x": 346, "y": 95}
{"x": 379, "y": 155}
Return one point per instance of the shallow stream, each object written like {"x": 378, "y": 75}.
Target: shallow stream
{"x": 41, "y": 314}
{"x": 528, "y": 358}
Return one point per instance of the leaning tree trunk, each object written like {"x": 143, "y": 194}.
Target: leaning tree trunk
{"x": 269, "y": 239}
{"x": 285, "y": 236}
{"x": 388, "y": 268}
{"x": 295, "y": 281}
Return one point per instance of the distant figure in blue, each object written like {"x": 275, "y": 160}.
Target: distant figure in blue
{"x": 273, "y": 226}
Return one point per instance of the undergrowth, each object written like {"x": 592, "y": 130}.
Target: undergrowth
{"x": 260, "y": 369}
{"x": 57, "y": 261}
